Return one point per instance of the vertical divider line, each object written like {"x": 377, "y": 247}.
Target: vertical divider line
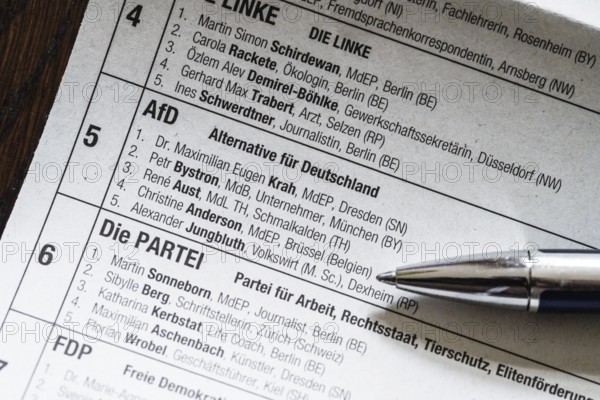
{"x": 107, "y": 189}
{"x": 65, "y": 171}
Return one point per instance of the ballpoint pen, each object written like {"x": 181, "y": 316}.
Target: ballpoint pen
{"x": 544, "y": 281}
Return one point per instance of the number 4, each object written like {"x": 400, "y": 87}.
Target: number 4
{"x": 3, "y": 364}
{"x": 134, "y": 15}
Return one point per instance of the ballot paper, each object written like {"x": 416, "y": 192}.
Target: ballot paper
{"x": 220, "y": 182}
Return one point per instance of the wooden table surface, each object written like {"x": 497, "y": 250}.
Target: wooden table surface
{"x": 36, "y": 38}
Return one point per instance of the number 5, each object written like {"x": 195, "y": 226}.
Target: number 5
{"x": 91, "y": 136}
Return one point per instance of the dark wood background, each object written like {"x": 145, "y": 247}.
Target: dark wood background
{"x": 36, "y": 38}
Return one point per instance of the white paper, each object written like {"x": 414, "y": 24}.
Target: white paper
{"x": 214, "y": 194}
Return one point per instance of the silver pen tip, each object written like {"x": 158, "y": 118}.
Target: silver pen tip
{"x": 499, "y": 281}
{"x": 387, "y": 277}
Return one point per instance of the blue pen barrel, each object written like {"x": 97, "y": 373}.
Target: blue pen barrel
{"x": 569, "y": 301}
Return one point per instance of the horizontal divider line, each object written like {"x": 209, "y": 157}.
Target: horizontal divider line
{"x": 345, "y": 294}
{"x": 366, "y": 166}
{"x": 138, "y": 353}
